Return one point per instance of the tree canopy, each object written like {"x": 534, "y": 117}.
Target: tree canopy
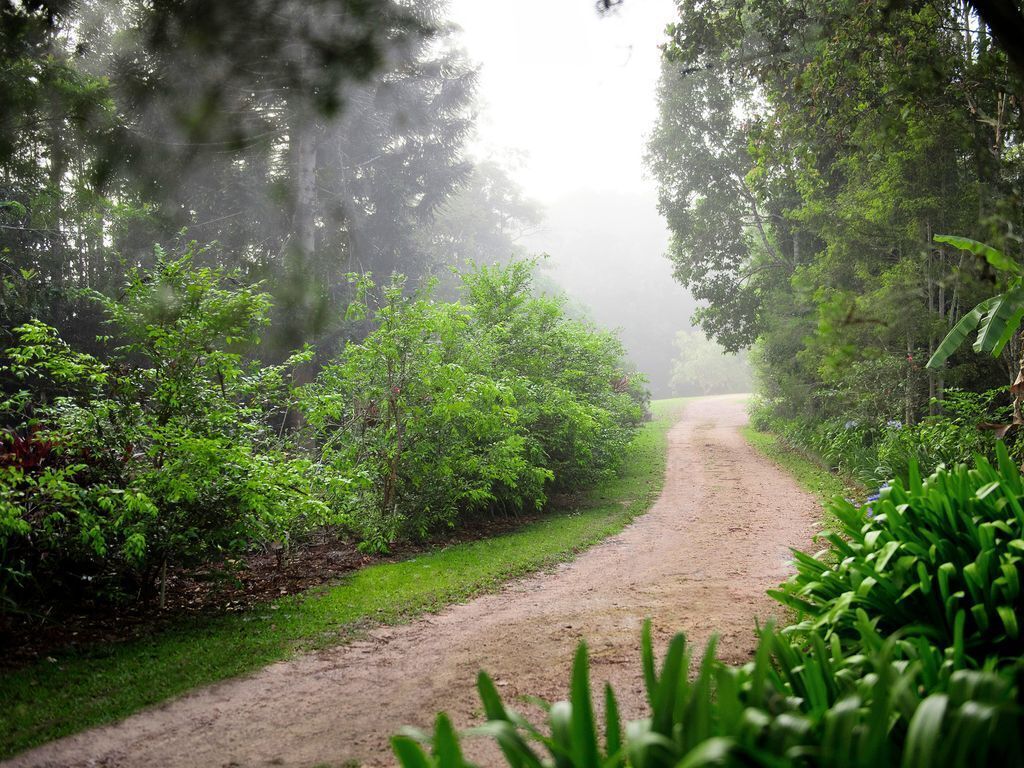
{"x": 806, "y": 157}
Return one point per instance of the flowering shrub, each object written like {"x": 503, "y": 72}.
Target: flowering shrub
{"x": 873, "y": 452}
{"x": 940, "y": 559}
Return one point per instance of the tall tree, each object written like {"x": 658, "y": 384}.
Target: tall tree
{"x": 307, "y": 139}
{"x": 865, "y": 128}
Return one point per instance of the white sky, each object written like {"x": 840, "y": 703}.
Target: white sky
{"x": 567, "y": 101}
{"x": 566, "y": 93}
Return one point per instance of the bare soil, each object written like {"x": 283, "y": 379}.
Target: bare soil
{"x": 699, "y": 561}
{"x": 230, "y": 585}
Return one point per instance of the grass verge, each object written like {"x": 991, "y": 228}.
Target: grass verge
{"x": 811, "y": 475}
{"x": 68, "y": 694}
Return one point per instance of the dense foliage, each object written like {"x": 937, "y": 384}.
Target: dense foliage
{"x": 939, "y": 560}
{"x": 871, "y": 452}
{"x": 180, "y": 446}
{"x": 140, "y": 427}
{"x": 905, "y": 653}
{"x": 813, "y": 160}
{"x": 168, "y": 449}
{"x": 335, "y": 144}
{"x": 806, "y": 158}
{"x": 517, "y": 397}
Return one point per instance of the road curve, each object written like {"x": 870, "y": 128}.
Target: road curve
{"x": 699, "y": 561}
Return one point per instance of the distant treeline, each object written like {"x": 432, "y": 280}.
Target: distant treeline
{"x": 309, "y": 140}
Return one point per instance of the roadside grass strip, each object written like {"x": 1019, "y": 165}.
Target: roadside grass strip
{"x": 811, "y": 475}
{"x": 98, "y": 685}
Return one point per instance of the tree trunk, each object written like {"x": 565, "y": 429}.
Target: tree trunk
{"x": 908, "y": 403}
{"x": 934, "y": 306}
{"x": 304, "y": 217}
{"x": 163, "y": 584}
{"x": 58, "y": 167}
{"x": 1017, "y": 386}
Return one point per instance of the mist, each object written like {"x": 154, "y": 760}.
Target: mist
{"x": 606, "y": 251}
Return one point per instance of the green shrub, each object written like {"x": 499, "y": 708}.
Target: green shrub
{"x": 954, "y": 437}
{"x": 873, "y": 452}
{"x": 163, "y": 453}
{"x": 578, "y": 404}
{"x": 413, "y": 428}
{"x": 450, "y": 410}
{"x": 941, "y": 559}
{"x": 180, "y": 448}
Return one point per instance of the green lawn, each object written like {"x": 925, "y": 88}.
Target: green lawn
{"x": 52, "y": 699}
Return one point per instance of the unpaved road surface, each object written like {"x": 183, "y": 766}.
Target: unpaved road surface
{"x": 699, "y": 561}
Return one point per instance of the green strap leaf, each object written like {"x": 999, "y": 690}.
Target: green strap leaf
{"x": 516, "y": 751}
{"x": 647, "y": 659}
{"x": 925, "y": 733}
{"x": 560, "y": 742}
{"x": 1009, "y": 619}
{"x": 714, "y": 751}
{"x": 446, "y": 744}
{"x": 671, "y": 687}
{"x": 490, "y": 698}
{"x": 409, "y": 753}
{"x": 584, "y": 734}
{"x": 612, "y": 725}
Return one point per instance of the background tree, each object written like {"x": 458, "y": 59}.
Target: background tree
{"x": 701, "y": 367}
{"x": 308, "y": 140}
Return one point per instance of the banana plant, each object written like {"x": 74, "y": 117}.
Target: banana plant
{"x": 996, "y": 320}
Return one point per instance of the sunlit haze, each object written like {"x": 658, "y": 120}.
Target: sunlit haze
{"x": 572, "y": 91}
{"x": 567, "y": 99}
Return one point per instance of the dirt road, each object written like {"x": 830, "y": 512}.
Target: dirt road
{"x": 698, "y": 561}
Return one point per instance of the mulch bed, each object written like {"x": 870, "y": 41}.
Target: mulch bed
{"x": 212, "y": 590}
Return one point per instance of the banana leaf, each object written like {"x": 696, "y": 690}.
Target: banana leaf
{"x": 968, "y": 323}
{"x": 997, "y": 259}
